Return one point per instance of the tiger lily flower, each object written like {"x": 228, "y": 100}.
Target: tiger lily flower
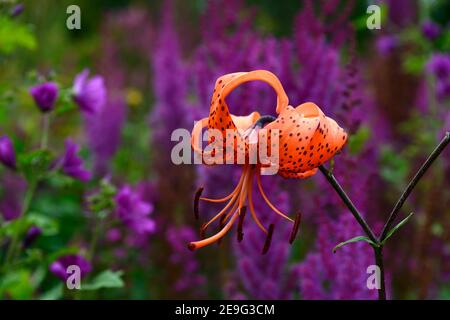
{"x": 306, "y": 139}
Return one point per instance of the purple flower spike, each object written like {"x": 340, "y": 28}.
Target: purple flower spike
{"x": 431, "y": 30}
{"x": 45, "y": 95}
{"x": 89, "y": 94}
{"x": 72, "y": 164}
{"x": 59, "y": 267}
{"x": 133, "y": 211}
{"x": 7, "y": 154}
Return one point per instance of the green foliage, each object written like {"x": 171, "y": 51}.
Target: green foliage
{"x": 17, "y": 284}
{"x": 357, "y": 141}
{"x": 394, "y": 167}
{"x": 394, "y": 229}
{"x": 54, "y": 293}
{"x": 48, "y": 225}
{"x": 35, "y": 164}
{"x": 103, "y": 200}
{"x": 106, "y": 279}
{"x": 14, "y": 34}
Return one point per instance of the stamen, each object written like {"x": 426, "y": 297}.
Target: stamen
{"x": 199, "y": 244}
{"x": 198, "y": 193}
{"x": 267, "y": 199}
{"x": 295, "y": 228}
{"x": 240, "y": 234}
{"x": 203, "y": 231}
{"x": 252, "y": 209}
{"x": 237, "y": 189}
{"x": 268, "y": 239}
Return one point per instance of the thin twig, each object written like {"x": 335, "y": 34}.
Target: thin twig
{"x": 332, "y": 180}
{"x": 436, "y": 152}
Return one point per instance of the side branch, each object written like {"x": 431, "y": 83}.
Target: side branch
{"x": 433, "y": 156}
{"x": 335, "y": 184}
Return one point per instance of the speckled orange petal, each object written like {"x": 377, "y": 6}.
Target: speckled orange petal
{"x": 307, "y": 139}
{"x": 219, "y": 115}
{"x": 296, "y": 132}
{"x": 298, "y": 175}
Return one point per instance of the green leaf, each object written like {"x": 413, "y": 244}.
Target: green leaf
{"x": 35, "y": 164}
{"x": 54, "y": 293}
{"x": 14, "y": 34}
{"x": 106, "y": 279}
{"x": 17, "y": 285}
{"x": 48, "y": 225}
{"x": 355, "y": 239}
{"x": 394, "y": 229}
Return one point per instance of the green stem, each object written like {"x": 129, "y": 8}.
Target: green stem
{"x": 45, "y": 130}
{"x": 11, "y": 253}
{"x": 379, "y": 262}
{"x": 95, "y": 237}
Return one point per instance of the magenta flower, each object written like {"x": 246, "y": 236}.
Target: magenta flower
{"x": 59, "y": 267}
{"x": 89, "y": 94}
{"x": 7, "y": 154}
{"x": 45, "y": 95}
{"x": 134, "y": 212}
{"x": 72, "y": 164}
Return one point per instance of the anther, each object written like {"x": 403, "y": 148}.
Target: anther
{"x": 198, "y": 194}
{"x": 295, "y": 227}
{"x": 240, "y": 234}
{"x": 268, "y": 239}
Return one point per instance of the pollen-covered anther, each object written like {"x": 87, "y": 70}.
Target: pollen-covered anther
{"x": 198, "y": 194}
{"x": 295, "y": 228}
{"x": 268, "y": 239}
{"x": 240, "y": 234}
{"x": 191, "y": 246}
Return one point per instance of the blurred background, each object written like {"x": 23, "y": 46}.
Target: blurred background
{"x": 152, "y": 67}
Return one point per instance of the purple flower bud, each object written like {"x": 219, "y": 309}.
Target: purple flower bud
{"x": 59, "y": 267}
{"x": 89, "y": 94}
{"x": 431, "y": 30}
{"x": 17, "y": 10}
{"x": 7, "y": 154}
{"x": 72, "y": 164}
{"x": 32, "y": 234}
{"x": 45, "y": 95}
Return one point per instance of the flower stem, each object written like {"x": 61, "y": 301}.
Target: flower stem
{"x": 12, "y": 248}
{"x": 95, "y": 236}
{"x": 45, "y": 130}
{"x": 335, "y": 184}
{"x": 379, "y": 262}
{"x": 433, "y": 156}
